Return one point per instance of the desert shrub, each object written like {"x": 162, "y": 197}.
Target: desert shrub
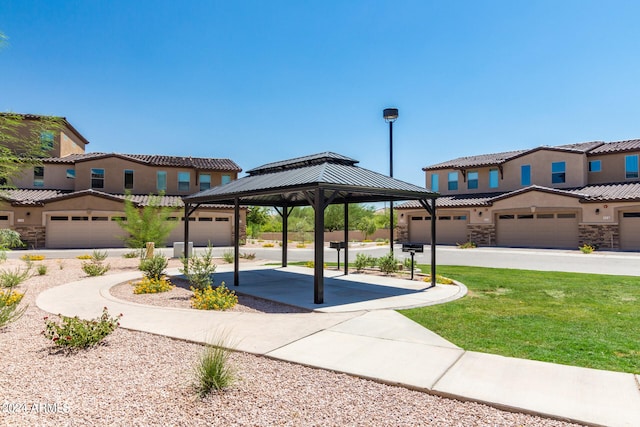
{"x": 94, "y": 268}
{"x": 218, "y": 298}
{"x": 248, "y": 256}
{"x": 12, "y": 278}
{"x": 98, "y": 256}
{"x": 388, "y": 264}
{"x": 407, "y": 264}
{"x": 301, "y": 246}
{"x": 74, "y": 332}
{"x": 84, "y": 256}
{"x": 268, "y": 245}
{"x": 467, "y": 245}
{"x": 228, "y": 256}
{"x": 32, "y": 257}
{"x": 199, "y": 269}
{"x": 132, "y": 254}
{"x": 154, "y": 267}
{"x": 439, "y": 279}
{"x": 151, "y": 285}
{"x": 587, "y": 249}
{"x": 9, "y": 307}
{"x": 213, "y": 371}
{"x": 42, "y": 270}
{"x": 364, "y": 260}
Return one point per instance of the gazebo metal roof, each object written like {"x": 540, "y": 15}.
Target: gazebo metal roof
{"x": 317, "y": 180}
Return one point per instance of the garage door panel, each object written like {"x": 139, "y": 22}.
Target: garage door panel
{"x": 65, "y": 231}
{"x": 546, "y": 230}
{"x": 630, "y": 231}
{"x": 202, "y": 230}
{"x": 450, "y": 229}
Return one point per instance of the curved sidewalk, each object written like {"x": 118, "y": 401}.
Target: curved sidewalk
{"x": 353, "y": 335}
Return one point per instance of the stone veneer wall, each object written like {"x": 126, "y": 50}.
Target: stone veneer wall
{"x": 33, "y": 235}
{"x": 482, "y": 234}
{"x": 604, "y": 236}
{"x": 402, "y": 233}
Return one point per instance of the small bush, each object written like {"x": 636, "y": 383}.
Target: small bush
{"x": 199, "y": 269}
{"x": 132, "y": 254}
{"x": 301, "y": 246}
{"x": 84, "y": 257}
{"x": 268, "y": 245}
{"x": 95, "y": 268}
{"x": 150, "y": 285}
{"x": 228, "y": 256}
{"x": 439, "y": 279}
{"x": 587, "y": 249}
{"x": 248, "y": 256}
{"x": 10, "y": 239}
{"x": 74, "y": 332}
{"x": 219, "y": 298}
{"x": 32, "y": 257}
{"x": 12, "y": 278}
{"x": 467, "y": 245}
{"x": 364, "y": 260}
{"x": 388, "y": 264}
{"x": 42, "y": 270}
{"x": 98, "y": 256}
{"x": 154, "y": 267}
{"x": 212, "y": 371}
{"x": 9, "y": 307}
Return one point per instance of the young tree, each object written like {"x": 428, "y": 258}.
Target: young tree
{"x": 147, "y": 224}
{"x": 257, "y": 217}
{"x": 368, "y": 226}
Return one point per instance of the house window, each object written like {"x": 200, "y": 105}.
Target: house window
{"x": 38, "y": 176}
{"x": 595, "y": 166}
{"x": 161, "y": 181}
{"x": 525, "y": 175}
{"x": 472, "y": 180}
{"x": 435, "y": 185}
{"x": 226, "y": 179}
{"x": 71, "y": 174}
{"x": 128, "y": 179}
{"x": 205, "y": 181}
{"x": 97, "y": 178}
{"x": 558, "y": 175}
{"x": 493, "y": 178}
{"x": 46, "y": 140}
{"x": 452, "y": 182}
{"x": 184, "y": 179}
{"x": 631, "y": 166}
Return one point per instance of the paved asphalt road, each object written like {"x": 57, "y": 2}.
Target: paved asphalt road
{"x": 623, "y": 263}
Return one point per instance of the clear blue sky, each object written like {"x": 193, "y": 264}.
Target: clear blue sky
{"x": 261, "y": 81}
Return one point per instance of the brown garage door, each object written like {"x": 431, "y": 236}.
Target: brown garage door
{"x": 205, "y": 229}
{"x": 538, "y": 230}
{"x": 630, "y": 231}
{"x": 79, "y": 230}
{"x": 450, "y": 229}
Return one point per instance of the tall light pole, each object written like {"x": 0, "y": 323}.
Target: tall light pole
{"x": 390, "y": 115}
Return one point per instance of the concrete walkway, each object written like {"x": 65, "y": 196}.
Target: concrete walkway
{"x": 357, "y": 332}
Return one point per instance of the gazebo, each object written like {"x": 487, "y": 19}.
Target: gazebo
{"x": 317, "y": 180}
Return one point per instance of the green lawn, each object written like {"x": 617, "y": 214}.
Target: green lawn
{"x": 575, "y": 319}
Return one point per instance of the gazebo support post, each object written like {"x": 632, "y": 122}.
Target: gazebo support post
{"x": 236, "y": 242}
{"x": 431, "y": 209}
{"x": 318, "y": 277}
{"x": 346, "y": 238}
{"x": 186, "y": 231}
{"x": 286, "y": 211}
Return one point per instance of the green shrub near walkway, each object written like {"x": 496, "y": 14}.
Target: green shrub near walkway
{"x": 575, "y": 319}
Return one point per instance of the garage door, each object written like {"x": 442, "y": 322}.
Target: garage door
{"x": 69, "y": 230}
{"x": 541, "y": 230}
{"x": 204, "y": 229}
{"x": 630, "y": 231}
{"x": 450, "y": 229}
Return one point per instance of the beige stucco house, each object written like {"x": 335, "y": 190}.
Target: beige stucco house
{"x": 547, "y": 197}
{"x": 72, "y": 199}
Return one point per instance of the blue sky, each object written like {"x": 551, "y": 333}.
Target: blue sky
{"x": 261, "y": 81}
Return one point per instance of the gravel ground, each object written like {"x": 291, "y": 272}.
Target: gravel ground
{"x": 141, "y": 379}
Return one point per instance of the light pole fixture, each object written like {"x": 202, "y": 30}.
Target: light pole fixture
{"x": 390, "y": 115}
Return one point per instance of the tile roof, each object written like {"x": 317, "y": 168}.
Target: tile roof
{"x": 616, "y": 147}
{"x": 200, "y": 163}
{"x": 477, "y": 161}
{"x": 40, "y": 197}
{"x": 616, "y": 192}
{"x": 40, "y": 117}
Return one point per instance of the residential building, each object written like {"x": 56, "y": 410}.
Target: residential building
{"x": 546, "y": 197}
{"x": 73, "y": 198}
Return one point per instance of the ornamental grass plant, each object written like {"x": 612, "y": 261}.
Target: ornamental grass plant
{"x": 213, "y": 371}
